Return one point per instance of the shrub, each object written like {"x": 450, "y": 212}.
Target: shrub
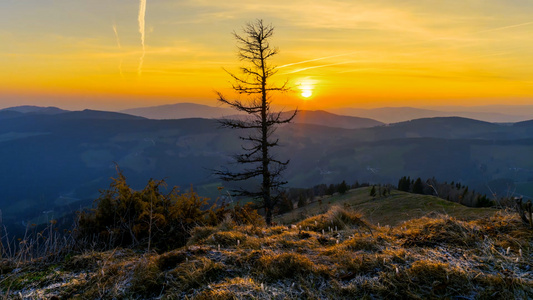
{"x": 127, "y": 218}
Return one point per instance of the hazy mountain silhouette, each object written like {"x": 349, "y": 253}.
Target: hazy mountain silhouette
{"x": 320, "y": 117}
{"x": 442, "y": 127}
{"x": 324, "y": 118}
{"x": 513, "y": 110}
{"x": 55, "y": 162}
{"x": 8, "y": 114}
{"x": 51, "y": 110}
{"x": 528, "y": 123}
{"x": 98, "y": 115}
{"x": 191, "y": 110}
{"x": 180, "y": 111}
{"x": 400, "y": 114}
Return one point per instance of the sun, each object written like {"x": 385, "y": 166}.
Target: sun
{"x": 307, "y": 93}
{"x": 306, "y": 86}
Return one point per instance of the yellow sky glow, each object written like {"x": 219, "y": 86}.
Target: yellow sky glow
{"x": 335, "y": 53}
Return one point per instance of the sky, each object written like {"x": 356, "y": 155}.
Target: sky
{"x": 118, "y": 54}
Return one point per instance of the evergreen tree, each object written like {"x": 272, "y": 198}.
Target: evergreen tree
{"x": 418, "y": 186}
{"x": 356, "y": 185}
{"x": 404, "y": 184}
{"x": 302, "y": 201}
{"x": 373, "y": 192}
{"x": 331, "y": 190}
{"x": 342, "y": 188}
{"x": 285, "y": 204}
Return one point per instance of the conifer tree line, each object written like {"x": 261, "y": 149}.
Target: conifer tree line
{"x": 455, "y": 192}
{"x": 300, "y": 197}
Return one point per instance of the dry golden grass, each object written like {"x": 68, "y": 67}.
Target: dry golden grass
{"x": 431, "y": 232}
{"x": 284, "y": 265}
{"x": 337, "y": 218}
{"x": 433, "y": 257}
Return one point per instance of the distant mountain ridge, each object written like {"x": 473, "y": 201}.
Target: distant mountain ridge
{"x": 387, "y": 115}
{"x": 192, "y": 110}
{"x": 71, "y": 155}
{"x": 180, "y": 111}
{"x": 98, "y": 114}
{"x": 9, "y": 114}
{"x": 524, "y": 124}
{"x": 324, "y": 118}
{"x": 25, "y": 109}
{"x": 401, "y": 114}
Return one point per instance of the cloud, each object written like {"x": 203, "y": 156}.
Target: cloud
{"x": 320, "y": 14}
{"x": 321, "y": 66}
{"x": 141, "y": 19}
{"x": 116, "y": 35}
{"x": 506, "y": 27}
{"x": 120, "y": 47}
{"x": 315, "y": 59}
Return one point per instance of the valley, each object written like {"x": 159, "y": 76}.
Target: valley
{"x": 67, "y": 157}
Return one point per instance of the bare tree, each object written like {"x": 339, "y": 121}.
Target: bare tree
{"x": 256, "y": 85}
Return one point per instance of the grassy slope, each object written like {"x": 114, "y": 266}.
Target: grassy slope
{"x": 389, "y": 210}
{"x": 433, "y": 257}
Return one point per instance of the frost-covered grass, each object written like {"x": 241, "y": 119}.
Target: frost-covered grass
{"x": 335, "y": 255}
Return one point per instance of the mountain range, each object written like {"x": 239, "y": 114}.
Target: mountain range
{"x": 180, "y": 111}
{"x": 58, "y": 162}
{"x": 497, "y": 114}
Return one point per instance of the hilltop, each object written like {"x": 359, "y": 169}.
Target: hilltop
{"x": 32, "y": 109}
{"x": 499, "y": 114}
{"x": 180, "y": 111}
{"x": 338, "y": 254}
{"x": 390, "y": 210}
{"x": 324, "y": 118}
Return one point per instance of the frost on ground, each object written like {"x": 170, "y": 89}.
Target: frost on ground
{"x": 336, "y": 255}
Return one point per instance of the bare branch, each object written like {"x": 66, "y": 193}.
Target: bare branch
{"x": 255, "y": 80}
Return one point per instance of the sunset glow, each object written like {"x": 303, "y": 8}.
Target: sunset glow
{"x": 306, "y": 87}
{"x": 307, "y": 93}
{"x": 117, "y": 55}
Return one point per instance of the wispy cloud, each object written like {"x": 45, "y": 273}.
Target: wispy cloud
{"x": 321, "y": 66}
{"x": 315, "y": 59}
{"x": 119, "y": 47}
{"x": 141, "y": 19}
{"x": 116, "y": 35}
{"x": 320, "y": 14}
{"x": 506, "y": 27}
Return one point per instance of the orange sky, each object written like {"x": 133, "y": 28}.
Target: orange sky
{"x": 90, "y": 54}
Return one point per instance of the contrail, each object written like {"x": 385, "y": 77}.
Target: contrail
{"x": 119, "y": 47}
{"x": 469, "y": 33}
{"x": 116, "y": 36}
{"x": 506, "y": 27}
{"x": 321, "y": 66}
{"x": 315, "y": 59}
{"x": 142, "y": 14}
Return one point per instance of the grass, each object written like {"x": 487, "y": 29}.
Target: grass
{"x": 338, "y": 254}
{"x": 389, "y": 210}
